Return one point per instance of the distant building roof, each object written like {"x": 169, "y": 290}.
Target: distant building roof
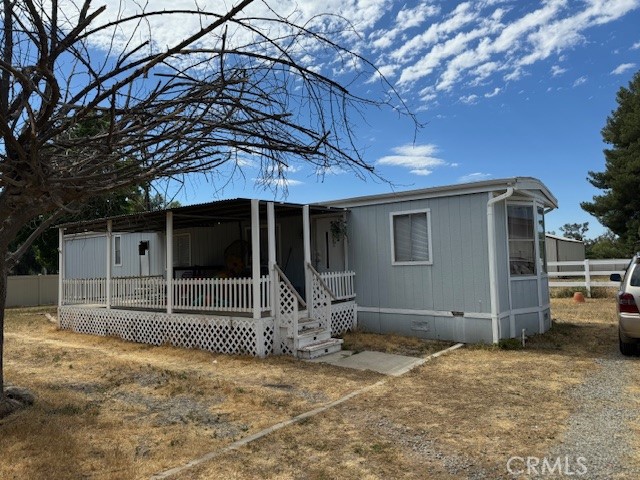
{"x": 565, "y": 239}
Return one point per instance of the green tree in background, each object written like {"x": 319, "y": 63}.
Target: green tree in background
{"x": 577, "y": 231}
{"x": 618, "y": 207}
{"x": 42, "y": 257}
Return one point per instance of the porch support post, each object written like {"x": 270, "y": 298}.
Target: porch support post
{"x": 345, "y": 244}
{"x": 255, "y": 277}
{"x": 169, "y": 249}
{"x": 60, "y": 267}
{"x": 273, "y": 277}
{"x": 109, "y": 263}
{"x": 306, "y": 238}
{"x": 255, "y": 257}
{"x": 271, "y": 232}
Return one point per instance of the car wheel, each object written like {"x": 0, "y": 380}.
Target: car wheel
{"x": 627, "y": 349}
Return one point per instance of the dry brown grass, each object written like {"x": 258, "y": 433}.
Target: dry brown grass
{"x": 110, "y": 409}
{"x": 360, "y": 341}
{"x": 463, "y": 413}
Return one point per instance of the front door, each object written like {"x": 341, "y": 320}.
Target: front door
{"x": 328, "y": 248}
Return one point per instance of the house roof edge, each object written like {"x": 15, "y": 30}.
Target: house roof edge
{"x": 519, "y": 183}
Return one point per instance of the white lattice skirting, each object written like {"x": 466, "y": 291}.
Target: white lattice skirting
{"x": 231, "y": 335}
{"x": 344, "y": 317}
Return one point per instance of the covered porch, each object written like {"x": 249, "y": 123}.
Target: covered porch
{"x": 235, "y": 276}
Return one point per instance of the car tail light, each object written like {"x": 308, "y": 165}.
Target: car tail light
{"x": 626, "y": 303}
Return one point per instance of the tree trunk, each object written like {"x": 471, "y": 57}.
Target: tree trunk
{"x": 3, "y": 299}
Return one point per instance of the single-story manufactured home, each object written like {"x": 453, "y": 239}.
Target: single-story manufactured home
{"x": 464, "y": 263}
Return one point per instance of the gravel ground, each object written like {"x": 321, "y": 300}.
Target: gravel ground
{"x": 599, "y": 430}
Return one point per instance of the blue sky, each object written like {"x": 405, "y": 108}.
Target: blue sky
{"x": 505, "y": 88}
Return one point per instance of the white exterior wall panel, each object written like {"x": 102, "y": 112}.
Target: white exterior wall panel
{"x": 457, "y": 281}
{"x": 86, "y": 255}
{"x": 524, "y": 293}
{"x": 502, "y": 256}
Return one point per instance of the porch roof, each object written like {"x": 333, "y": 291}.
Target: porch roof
{"x": 200, "y": 215}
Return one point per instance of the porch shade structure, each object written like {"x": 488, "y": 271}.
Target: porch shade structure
{"x": 255, "y": 214}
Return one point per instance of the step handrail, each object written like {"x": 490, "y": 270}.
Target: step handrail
{"x": 284, "y": 278}
{"x": 321, "y": 280}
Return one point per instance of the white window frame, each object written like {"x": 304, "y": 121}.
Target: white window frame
{"x": 523, "y": 276}
{"x": 427, "y": 212}
{"x": 117, "y": 239}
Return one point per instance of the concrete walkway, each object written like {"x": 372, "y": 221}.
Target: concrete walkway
{"x": 385, "y": 363}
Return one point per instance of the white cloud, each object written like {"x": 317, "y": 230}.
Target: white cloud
{"x": 474, "y": 177}
{"x": 474, "y": 42}
{"x": 386, "y": 71}
{"x": 277, "y": 182}
{"x": 405, "y": 19}
{"x": 246, "y": 162}
{"x": 622, "y": 68}
{"x": 330, "y": 170}
{"x": 580, "y": 81}
{"x": 419, "y": 159}
{"x": 461, "y": 16}
{"x": 469, "y": 99}
{"x": 421, "y": 171}
{"x": 495, "y": 92}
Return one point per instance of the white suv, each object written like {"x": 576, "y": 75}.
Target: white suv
{"x": 628, "y": 299}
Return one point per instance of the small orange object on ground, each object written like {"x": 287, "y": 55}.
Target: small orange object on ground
{"x": 578, "y": 297}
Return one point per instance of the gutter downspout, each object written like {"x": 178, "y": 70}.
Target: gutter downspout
{"x": 493, "y": 267}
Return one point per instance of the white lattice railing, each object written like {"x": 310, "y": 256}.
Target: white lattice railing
{"x": 287, "y": 312}
{"x": 321, "y": 296}
{"x": 84, "y": 291}
{"x": 341, "y": 284}
{"x": 199, "y": 294}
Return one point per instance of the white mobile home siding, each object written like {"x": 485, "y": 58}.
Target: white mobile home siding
{"x": 86, "y": 255}
{"x": 449, "y": 299}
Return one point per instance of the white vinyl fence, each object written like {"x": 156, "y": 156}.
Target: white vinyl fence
{"x": 586, "y": 273}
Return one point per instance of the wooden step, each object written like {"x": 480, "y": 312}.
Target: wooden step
{"x": 312, "y": 335}
{"x": 318, "y": 349}
{"x": 306, "y": 323}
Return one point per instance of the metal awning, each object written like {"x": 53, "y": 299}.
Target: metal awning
{"x": 201, "y": 215}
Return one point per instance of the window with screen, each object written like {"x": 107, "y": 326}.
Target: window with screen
{"x": 182, "y": 250}
{"x": 117, "y": 250}
{"x": 411, "y": 238}
{"x": 541, "y": 241}
{"x": 522, "y": 239}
